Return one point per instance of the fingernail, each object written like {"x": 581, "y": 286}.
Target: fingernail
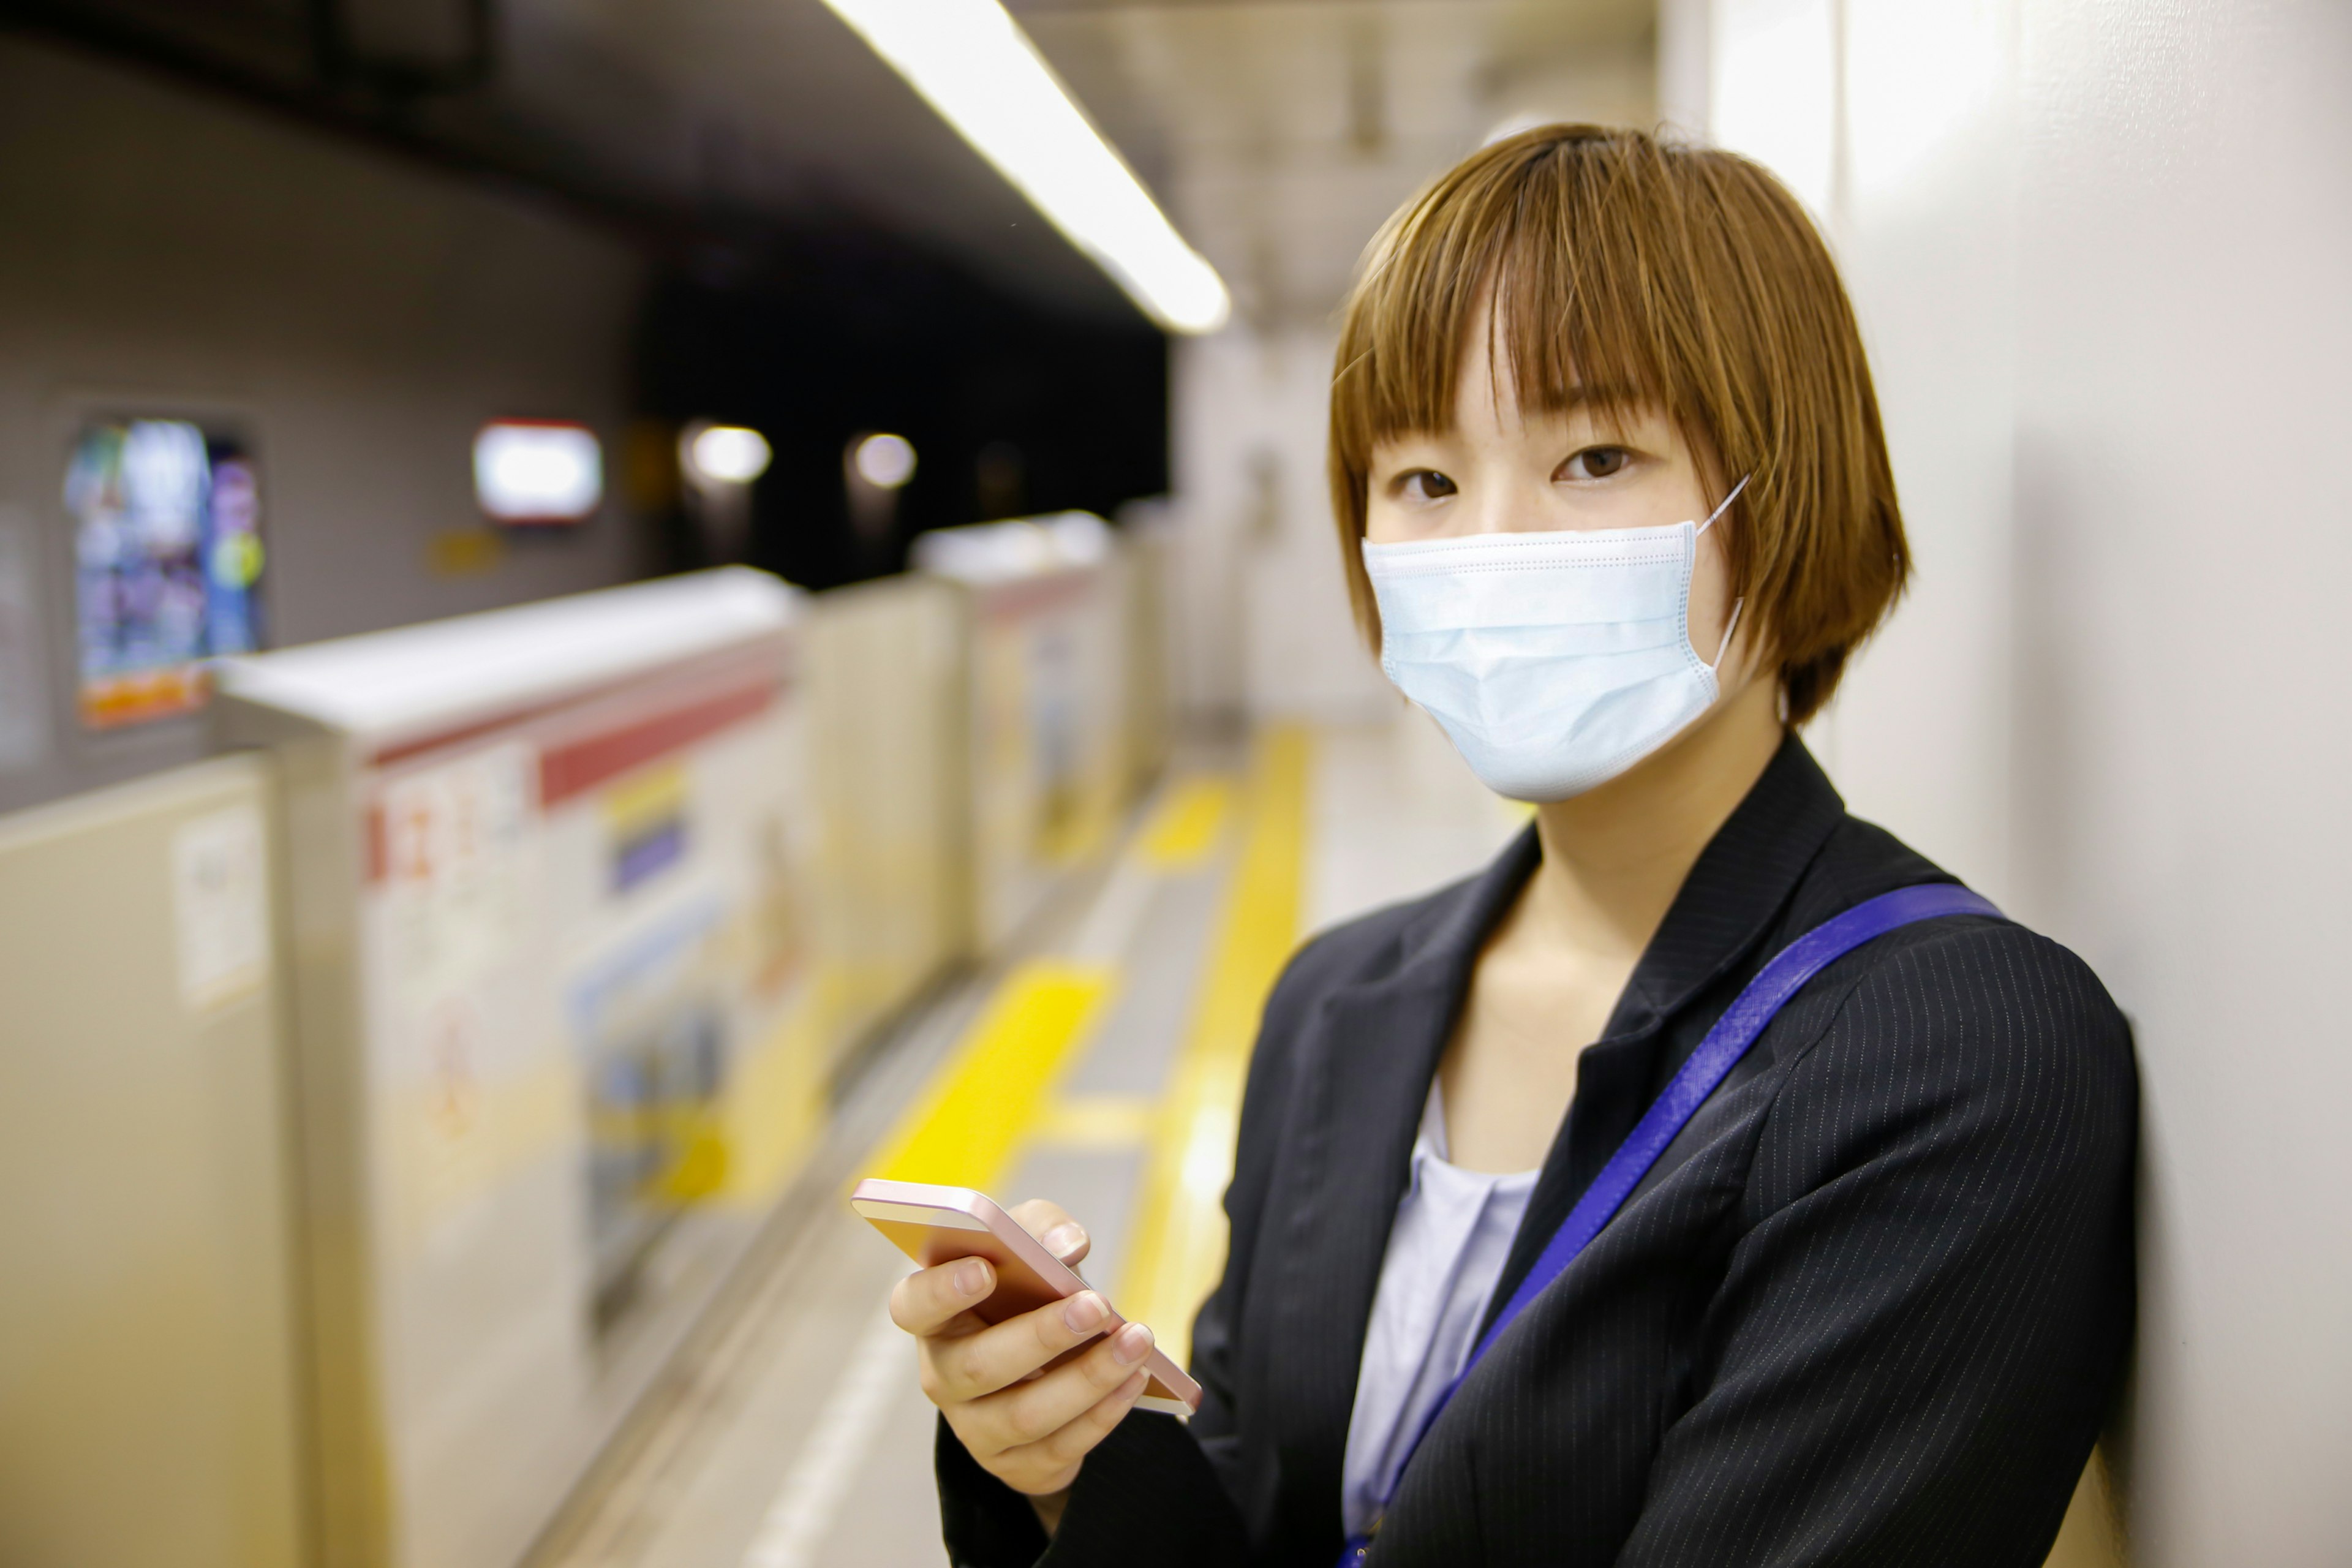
{"x": 1065, "y": 1239}
{"x": 971, "y": 1278}
{"x": 1131, "y": 1344}
{"x": 1084, "y": 1312}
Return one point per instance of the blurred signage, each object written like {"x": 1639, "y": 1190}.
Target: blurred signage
{"x": 221, "y": 901}
{"x": 681, "y": 935}
{"x": 537, "y": 473}
{"x": 645, "y": 825}
{"x": 168, "y": 563}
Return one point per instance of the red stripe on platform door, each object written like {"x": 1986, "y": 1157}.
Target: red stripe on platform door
{"x": 577, "y": 766}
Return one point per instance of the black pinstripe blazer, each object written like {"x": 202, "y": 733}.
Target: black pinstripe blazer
{"x": 1868, "y": 1309}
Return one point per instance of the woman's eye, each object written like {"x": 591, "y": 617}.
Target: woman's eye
{"x": 1426, "y": 484}
{"x": 1596, "y": 463}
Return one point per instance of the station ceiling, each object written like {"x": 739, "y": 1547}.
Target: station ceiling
{"x": 1277, "y": 134}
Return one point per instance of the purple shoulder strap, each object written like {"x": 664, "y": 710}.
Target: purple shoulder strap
{"x": 1736, "y": 1030}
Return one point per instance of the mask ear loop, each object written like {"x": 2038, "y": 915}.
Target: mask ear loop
{"x": 1736, "y": 605}
{"x": 1730, "y": 626}
{"x": 1718, "y": 512}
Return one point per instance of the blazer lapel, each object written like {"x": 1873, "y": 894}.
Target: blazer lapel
{"x": 1370, "y": 1054}
{"x": 1709, "y": 943}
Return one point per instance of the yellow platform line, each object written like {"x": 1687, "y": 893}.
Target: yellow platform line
{"x": 1096, "y": 1122}
{"x": 974, "y": 1113}
{"x": 1185, "y": 826}
{"x": 1179, "y": 1232}
{"x": 995, "y": 1091}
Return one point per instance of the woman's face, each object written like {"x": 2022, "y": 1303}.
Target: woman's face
{"x": 1496, "y": 472}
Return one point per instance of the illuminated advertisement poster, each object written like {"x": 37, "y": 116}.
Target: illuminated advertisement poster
{"x": 168, "y": 561}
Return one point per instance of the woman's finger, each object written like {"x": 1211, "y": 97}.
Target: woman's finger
{"x": 980, "y": 1363}
{"x": 1058, "y": 1452}
{"x": 927, "y": 1300}
{"x": 1028, "y": 1412}
{"x": 1050, "y": 1223}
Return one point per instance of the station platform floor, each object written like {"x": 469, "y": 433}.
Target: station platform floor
{"x": 1100, "y": 1064}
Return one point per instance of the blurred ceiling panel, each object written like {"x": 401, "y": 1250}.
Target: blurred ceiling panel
{"x": 697, "y": 121}
{"x": 1277, "y": 135}
{"x": 1280, "y": 135}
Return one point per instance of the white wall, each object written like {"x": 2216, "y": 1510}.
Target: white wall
{"x": 2103, "y": 254}
{"x": 1266, "y": 600}
{"x": 361, "y": 317}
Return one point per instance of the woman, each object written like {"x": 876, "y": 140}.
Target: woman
{"x": 1617, "y": 508}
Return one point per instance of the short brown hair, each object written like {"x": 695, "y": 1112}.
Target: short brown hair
{"x": 1636, "y": 272}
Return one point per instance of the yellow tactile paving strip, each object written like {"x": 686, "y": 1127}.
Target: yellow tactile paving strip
{"x": 1186, "y": 826}
{"x": 995, "y": 1093}
{"x": 995, "y": 1096}
{"x": 975, "y": 1113}
{"x": 1179, "y": 1246}
{"x": 1097, "y": 1122}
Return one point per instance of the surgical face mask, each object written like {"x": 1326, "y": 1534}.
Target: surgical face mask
{"x": 1554, "y": 660}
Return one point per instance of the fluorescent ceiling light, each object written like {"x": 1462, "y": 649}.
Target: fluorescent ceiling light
{"x": 979, "y": 70}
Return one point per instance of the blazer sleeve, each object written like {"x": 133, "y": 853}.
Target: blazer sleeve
{"x": 1924, "y": 1319}
{"x": 1159, "y": 1491}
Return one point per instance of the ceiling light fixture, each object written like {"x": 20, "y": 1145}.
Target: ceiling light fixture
{"x": 974, "y": 65}
{"x": 726, "y": 453}
{"x": 884, "y": 461}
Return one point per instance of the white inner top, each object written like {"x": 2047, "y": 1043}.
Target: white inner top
{"x": 1451, "y": 1237}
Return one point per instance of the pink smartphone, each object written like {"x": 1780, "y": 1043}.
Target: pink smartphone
{"x": 938, "y": 1225}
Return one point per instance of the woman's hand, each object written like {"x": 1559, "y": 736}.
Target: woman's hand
{"x": 1030, "y": 1429}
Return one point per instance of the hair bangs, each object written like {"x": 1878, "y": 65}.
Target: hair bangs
{"x": 1565, "y": 319}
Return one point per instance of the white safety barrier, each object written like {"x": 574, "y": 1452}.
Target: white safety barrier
{"x": 886, "y": 663}
{"x": 587, "y": 899}
{"x": 557, "y": 1037}
{"x": 1049, "y": 754}
{"x": 1147, "y": 554}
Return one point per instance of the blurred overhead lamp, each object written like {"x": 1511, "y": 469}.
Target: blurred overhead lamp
{"x": 886, "y": 462}
{"x": 976, "y": 67}
{"x": 728, "y": 453}
{"x": 540, "y": 471}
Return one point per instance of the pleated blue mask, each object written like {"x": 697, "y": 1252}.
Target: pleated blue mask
{"x": 1554, "y": 660}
